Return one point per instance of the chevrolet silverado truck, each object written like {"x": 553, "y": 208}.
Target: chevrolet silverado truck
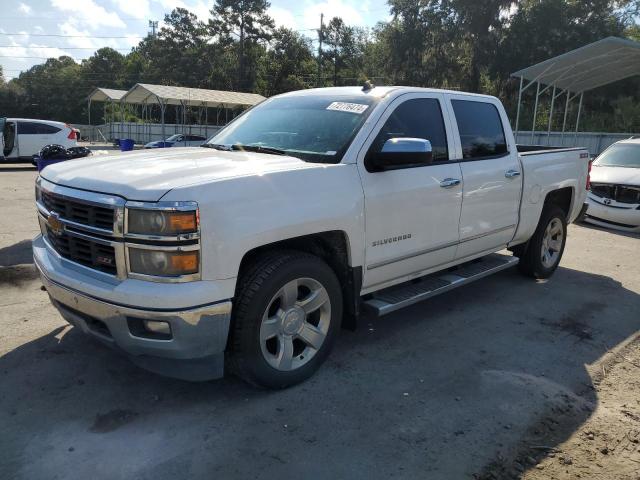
{"x": 250, "y": 254}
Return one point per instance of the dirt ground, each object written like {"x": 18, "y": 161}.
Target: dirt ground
{"x": 505, "y": 378}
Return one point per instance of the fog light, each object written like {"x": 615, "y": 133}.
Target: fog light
{"x": 156, "y": 326}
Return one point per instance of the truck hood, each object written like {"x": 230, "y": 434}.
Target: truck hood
{"x": 148, "y": 175}
{"x": 617, "y": 175}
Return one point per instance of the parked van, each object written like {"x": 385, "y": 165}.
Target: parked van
{"x": 22, "y": 138}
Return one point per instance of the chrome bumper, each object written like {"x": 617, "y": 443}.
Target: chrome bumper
{"x": 195, "y": 350}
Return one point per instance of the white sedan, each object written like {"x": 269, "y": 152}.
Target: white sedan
{"x": 614, "y": 198}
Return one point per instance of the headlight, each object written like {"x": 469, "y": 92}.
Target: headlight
{"x": 162, "y": 222}
{"x": 162, "y": 263}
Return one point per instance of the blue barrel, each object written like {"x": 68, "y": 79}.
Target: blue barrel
{"x": 126, "y": 144}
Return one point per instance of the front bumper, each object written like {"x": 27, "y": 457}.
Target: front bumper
{"x": 195, "y": 350}
{"x": 616, "y": 215}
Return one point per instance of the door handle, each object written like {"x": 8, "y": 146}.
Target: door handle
{"x": 449, "y": 182}
{"x": 512, "y": 173}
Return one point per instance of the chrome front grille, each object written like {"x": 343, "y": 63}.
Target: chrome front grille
{"x": 618, "y": 193}
{"x": 77, "y": 211}
{"x": 83, "y": 227}
{"x": 89, "y": 252}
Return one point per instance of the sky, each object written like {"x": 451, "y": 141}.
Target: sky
{"x": 25, "y": 28}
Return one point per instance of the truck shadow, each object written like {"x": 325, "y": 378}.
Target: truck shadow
{"x": 17, "y": 254}
{"x": 438, "y": 391}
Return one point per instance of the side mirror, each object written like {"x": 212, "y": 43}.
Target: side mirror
{"x": 401, "y": 153}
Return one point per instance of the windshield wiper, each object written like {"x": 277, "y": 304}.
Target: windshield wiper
{"x": 257, "y": 148}
{"x": 238, "y": 147}
{"x": 216, "y": 146}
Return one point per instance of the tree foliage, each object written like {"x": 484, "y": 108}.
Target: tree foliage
{"x": 456, "y": 44}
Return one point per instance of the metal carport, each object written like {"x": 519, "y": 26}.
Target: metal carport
{"x": 163, "y": 96}
{"x": 576, "y": 72}
{"x": 107, "y": 96}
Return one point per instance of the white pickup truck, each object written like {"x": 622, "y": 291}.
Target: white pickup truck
{"x": 306, "y": 210}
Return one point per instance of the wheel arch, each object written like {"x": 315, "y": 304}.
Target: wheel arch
{"x": 334, "y": 248}
{"x": 562, "y": 198}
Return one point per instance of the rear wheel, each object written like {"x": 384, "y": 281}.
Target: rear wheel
{"x": 287, "y": 315}
{"x": 543, "y": 253}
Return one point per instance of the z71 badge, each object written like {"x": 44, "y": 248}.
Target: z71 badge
{"x": 386, "y": 241}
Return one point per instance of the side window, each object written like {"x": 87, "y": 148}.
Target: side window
{"x": 416, "y": 118}
{"x": 480, "y": 127}
{"x": 45, "y": 129}
{"x": 27, "y": 128}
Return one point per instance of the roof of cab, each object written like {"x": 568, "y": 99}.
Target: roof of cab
{"x": 379, "y": 92}
{"x": 635, "y": 140}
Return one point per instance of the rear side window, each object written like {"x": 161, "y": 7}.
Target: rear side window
{"x": 34, "y": 128}
{"x": 45, "y": 129}
{"x": 27, "y": 128}
{"x": 480, "y": 127}
{"x": 416, "y": 118}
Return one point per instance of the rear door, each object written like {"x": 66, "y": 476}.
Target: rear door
{"x": 29, "y": 138}
{"x": 411, "y": 213}
{"x": 491, "y": 173}
{"x": 35, "y": 135}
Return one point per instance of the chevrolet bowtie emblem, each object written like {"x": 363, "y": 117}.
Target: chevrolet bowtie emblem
{"x": 55, "y": 225}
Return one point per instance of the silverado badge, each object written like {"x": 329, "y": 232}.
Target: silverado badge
{"x": 55, "y": 225}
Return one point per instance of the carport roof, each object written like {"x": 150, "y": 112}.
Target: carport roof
{"x": 106, "y": 94}
{"x": 592, "y": 66}
{"x": 144, "y": 93}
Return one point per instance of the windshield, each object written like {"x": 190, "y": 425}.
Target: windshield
{"x": 174, "y": 138}
{"x": 620, "y": 155}
{"x": 313, "y": 128}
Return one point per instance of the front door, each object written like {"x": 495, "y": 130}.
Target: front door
{"x": 492, "y": 176}
{"x": 9, "y": 140}
{"x": 411, "y": 213}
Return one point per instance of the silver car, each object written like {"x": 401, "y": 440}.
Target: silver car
{"x": 614, "y": 198}
{"x": 178, "y": 140}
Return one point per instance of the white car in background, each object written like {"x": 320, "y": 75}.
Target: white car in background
{"x": 22, "y": 138}
{"x": 614, "y": 198}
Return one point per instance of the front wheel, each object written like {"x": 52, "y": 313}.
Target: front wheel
{"x": 288, "y": 312}
{"x": 543, "y": 253}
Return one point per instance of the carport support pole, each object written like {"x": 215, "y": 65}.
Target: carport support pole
{"x": 121, "y": 118}
{"x": 553, "y": 101}
{"x": 111, "y": 137}
{"x": 575, "y": 138}
{"x": 535, "y": 114}
{"x": 162, "y": 107}
{"x": 518, "y": 111}
{"x": 566, "y": 112}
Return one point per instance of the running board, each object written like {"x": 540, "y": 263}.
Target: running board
{"x": 394, "y": 298}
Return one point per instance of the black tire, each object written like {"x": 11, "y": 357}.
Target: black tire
{"x": 531, "y": 263}
{"x": 255, "y": 294}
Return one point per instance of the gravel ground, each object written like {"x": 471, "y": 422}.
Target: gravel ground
{"x": 505, "y": 378}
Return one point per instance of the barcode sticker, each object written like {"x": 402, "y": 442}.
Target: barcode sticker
{"x": 358, "y": 108}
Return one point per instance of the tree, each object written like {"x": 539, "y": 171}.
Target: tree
{"x": 481, "y": 23}
{"x": 248, "y": 21}
{"x": 290, "y": 63}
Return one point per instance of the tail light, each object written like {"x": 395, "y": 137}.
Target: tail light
{"x": 72, "y": 134}
{"x": 588, "y": 186}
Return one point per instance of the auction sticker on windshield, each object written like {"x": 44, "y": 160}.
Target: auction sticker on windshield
{"x": 348, "y": 107}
